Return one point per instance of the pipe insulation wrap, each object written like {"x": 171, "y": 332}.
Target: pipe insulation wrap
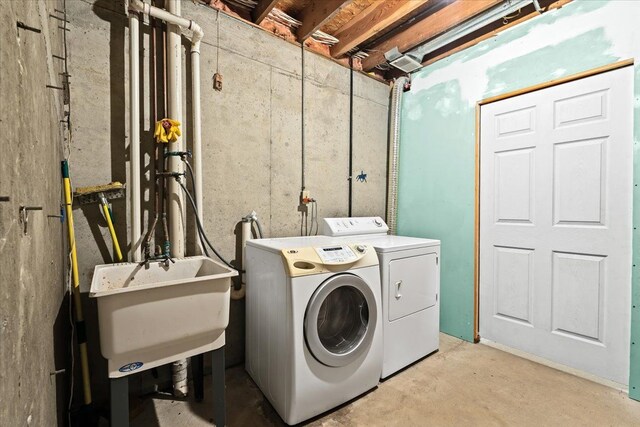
{"x": 394, "y": 152}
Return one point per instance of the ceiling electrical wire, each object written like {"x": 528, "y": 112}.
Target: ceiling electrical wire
{"x": 218, "y": 42}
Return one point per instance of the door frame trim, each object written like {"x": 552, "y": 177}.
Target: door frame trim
{"x": 479, "y": 104}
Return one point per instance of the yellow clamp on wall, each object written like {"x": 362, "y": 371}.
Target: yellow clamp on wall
{"x": 167, "y": 130}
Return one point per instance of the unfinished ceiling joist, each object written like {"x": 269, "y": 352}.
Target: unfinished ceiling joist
{"x": 428, "y": 28}
{"x": 371, "y": 21}
{"x": 262, "y": 9}
{"x": 316, "y": 14}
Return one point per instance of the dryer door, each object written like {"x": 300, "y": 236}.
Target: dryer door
{"x": 340, "y": 320}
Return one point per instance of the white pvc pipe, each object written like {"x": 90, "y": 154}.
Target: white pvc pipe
{"x": 246, "y": 233}
{"x": 170, "y": 18}
{"x": 237, "y": 294}
{"x": 134, "y": 137}
{"x": 176, "y": 229}
{"x": 197, "y": 133}
{"x": 174, "y": 77}
{"x": 174, "y": 86}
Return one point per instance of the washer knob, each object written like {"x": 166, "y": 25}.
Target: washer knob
{"x": 361, "y": 249}
{"x": 377, "y": 222}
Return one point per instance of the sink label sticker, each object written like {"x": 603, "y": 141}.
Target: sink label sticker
{"x": 129, "y": 367}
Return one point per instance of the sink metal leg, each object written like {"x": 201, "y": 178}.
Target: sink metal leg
{"x": 119, "y": 402}
{"x": 197, "y": 366}
{"x": 217, "y": 367}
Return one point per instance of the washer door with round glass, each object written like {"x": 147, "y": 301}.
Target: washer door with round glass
{"x": 340, "y": 320}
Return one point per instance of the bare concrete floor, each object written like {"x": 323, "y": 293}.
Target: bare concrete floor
{"x": 463, "y": 384}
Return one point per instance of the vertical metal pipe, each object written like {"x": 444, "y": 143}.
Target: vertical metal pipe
{"x": 134, "y": 135}
{"x": 302, "y": 114}
{"x": 350, "y": 138}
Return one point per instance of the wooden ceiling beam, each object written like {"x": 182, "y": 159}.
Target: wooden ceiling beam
{"x": 377, "y": 17}
{"x": 316, "y": 14}
{"x": 428, "y": 28}
{"x": 262, "y": 9}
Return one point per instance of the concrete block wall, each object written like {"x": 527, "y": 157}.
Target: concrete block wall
{"x": 34, "y": 323}
{"x": 251, "y": 137}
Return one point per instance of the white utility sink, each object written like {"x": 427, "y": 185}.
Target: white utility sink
{"x": 156, "y": 314}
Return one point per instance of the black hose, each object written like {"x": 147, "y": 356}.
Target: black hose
{"x": 193, "y": 183}
{"x": 200, "y": 228}
{"x": 259, "y": 228}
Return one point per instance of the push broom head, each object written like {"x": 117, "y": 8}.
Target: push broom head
{"x": 111, "y": 191}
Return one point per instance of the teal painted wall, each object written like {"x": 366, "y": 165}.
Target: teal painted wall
{"x": 437, "y": 154}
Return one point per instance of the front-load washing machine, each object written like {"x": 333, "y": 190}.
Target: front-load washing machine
{"x": 313, "y": 322}
{"x": 410, "y": 278}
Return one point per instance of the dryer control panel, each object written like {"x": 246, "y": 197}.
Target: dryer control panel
{"x": 353, "y": 226}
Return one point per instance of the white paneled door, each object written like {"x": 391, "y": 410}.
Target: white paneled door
{"x": 555, "y": 223}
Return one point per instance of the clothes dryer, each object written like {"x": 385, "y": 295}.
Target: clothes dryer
{"x": 410, "y": 280}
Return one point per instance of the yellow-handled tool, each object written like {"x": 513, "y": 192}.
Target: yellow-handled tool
{"x": 80, "y": 325}
{"x": 107, "y": 215}
{"x": 102, "y": 194}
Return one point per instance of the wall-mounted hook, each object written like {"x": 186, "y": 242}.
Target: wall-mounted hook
{"x": 24, "y": 215}
{"x": 24, "y": 26}
{"x": 61, "y": 215}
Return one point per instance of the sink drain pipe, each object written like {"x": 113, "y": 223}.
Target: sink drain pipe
{"x": 246, "y": 234}
{"x": 174, "y": 76}
{"x": 394, "y": 152}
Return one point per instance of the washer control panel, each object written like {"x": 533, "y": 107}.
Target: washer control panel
{"x": 336, "y": 254}
{"x": 323, "y": 259}
{"x": 353, "y": 226}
